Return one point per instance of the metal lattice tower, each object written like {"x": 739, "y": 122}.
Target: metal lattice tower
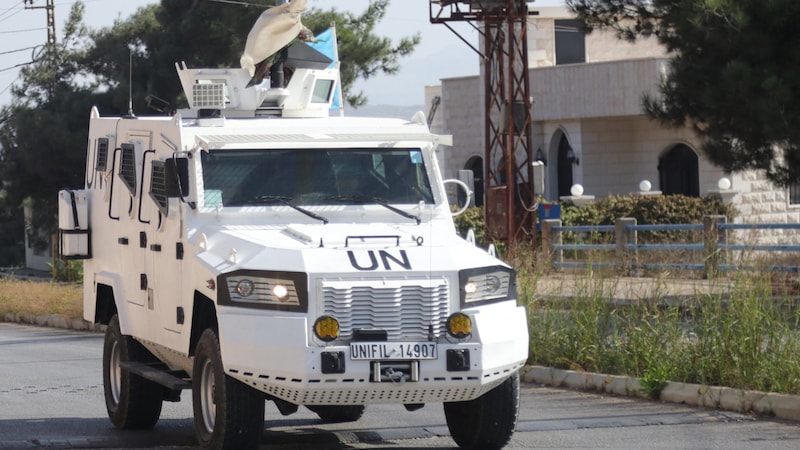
{"x": 508, "y": 174}
{"x": 51, "y": 20}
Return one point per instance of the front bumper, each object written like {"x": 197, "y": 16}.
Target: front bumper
{"x": 273, "y": 355}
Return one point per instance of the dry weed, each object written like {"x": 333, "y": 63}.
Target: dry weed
{"x": 40, "y": 297}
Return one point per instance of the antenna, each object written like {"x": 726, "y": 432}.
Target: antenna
{"x": 130, "y": 83}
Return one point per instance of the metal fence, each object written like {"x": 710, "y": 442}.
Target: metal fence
{"x": 711, "y": 246}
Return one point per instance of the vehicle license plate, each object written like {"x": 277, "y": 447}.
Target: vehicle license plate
{"x": 393, "y": 350}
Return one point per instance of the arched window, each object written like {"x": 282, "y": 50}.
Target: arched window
{"x": 678, "y": 172}
{"x": 564, "y": 167}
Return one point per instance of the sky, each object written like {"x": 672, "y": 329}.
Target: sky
{"x": 441, "y": 54}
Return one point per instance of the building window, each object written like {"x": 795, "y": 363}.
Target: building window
{"x": 678, "y": 172}
{"x": 794, "y": 193}
{"x": 564, "y": 167}
{"x": 570, "y": 42}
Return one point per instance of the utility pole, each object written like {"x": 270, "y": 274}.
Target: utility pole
{"x": 51, "y": 20}
{"x": 508, "y": 177}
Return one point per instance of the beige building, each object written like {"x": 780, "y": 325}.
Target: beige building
{"x": 589, "y": 125}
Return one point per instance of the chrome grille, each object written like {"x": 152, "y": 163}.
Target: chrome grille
{"x": 406, "y": 309}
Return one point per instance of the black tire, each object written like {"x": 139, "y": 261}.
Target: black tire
{"x": 132, "y": 401}
{"x": 338, "y": 413}
{"x": 228, "y": 414}
{"x": 487, "y": 422}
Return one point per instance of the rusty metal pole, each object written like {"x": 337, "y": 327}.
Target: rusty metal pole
{"x": 507, "y": 112}
{"x": 510, "y": 135}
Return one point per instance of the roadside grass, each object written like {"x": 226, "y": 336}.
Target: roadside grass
{"x": 748, "y": 340}
{"x": 37, "y": 298}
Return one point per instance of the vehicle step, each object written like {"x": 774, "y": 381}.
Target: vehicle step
{"x": 156, "y": 375}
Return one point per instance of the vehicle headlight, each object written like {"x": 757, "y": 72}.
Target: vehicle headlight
{"x": 269, "y": 290}
{"x": 487, "y": 284}
{"x": 245, "y": 288}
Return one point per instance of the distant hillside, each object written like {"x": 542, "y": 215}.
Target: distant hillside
{"x": 397, "y": 112}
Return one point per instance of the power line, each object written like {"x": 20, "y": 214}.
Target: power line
{"x": 22, "y": 31}
{"x": 7, "y": 87}
{"x": 19, "y": 50}
{"x": 5, "y": 16}
{"x": 18, "y": 65}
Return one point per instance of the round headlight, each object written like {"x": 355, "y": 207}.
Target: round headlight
{"x": 326, "y": 328}
{"x": 244, "y": 288}
{"x": 493, "y": 283}
{"x": 280, "y": 291}
{"x": 459, "y": 325}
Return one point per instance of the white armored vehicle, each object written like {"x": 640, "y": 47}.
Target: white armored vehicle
{"x": 252, "y": 248}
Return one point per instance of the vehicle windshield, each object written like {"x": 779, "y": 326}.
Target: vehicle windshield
{"x": 315, "y": 177}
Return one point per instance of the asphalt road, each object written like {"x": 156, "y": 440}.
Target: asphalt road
{"x": 51, "y": 396}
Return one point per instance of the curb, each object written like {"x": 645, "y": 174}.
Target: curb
{"x": 53, "y": 321}
{"x": 781, "y": 406}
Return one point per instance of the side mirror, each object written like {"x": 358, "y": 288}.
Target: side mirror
{"x": 169, "y": 179}
{"x": 466, "y": 189}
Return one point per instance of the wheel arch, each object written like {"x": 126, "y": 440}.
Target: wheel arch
{"x": 105, "y": 305}
{"x": 204, "y": 315}
{"x": 107, "y": 289}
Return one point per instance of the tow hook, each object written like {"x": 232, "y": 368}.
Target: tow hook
{"x": 394, "y": 376}
{"x": 395, "y": 372}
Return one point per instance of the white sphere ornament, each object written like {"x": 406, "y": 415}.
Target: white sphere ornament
{"x": 645, "y": 186}
{"x": 576, "y": 190}
{"x": 724, "y": 184}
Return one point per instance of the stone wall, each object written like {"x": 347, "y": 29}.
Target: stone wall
{"x": 461, "y": 110}
{"x": 759, "y": 201}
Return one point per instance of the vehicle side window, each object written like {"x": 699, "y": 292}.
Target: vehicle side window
{"x": 127, "y": 168}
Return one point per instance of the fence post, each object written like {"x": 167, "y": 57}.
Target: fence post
{"x": 712, "y": 238}
{"x": 625, "y": 261}
{"x": 550, "y": 238}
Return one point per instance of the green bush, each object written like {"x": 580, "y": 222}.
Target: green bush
{"x": 646, "y": 209}
{"x": 472, "y": 218}
{"x": 649, "y": 210}
{"x": 67, "y": 270}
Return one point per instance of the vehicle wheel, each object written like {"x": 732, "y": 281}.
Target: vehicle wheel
{"x": 338, "y": 413}
{"x": 228, "y": 414}
{"x": 131, "y": 401}
{"x": 488, "y": 421}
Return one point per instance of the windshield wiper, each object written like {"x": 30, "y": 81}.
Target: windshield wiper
{"x": 288, "y": 202}
{"x": 364, "y": 199}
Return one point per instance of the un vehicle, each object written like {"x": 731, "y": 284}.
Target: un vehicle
{"x": 252, "y": 249}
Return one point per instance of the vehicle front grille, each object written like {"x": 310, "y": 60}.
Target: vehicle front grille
{"x": 406, "y": 309}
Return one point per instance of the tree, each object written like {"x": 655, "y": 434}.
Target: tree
{"x": 734, "y": 74}
{"x": 44, "y": 132}
{"x": 213, "y": 34}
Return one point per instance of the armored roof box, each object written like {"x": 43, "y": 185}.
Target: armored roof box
{"x": 308, "y": 93}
